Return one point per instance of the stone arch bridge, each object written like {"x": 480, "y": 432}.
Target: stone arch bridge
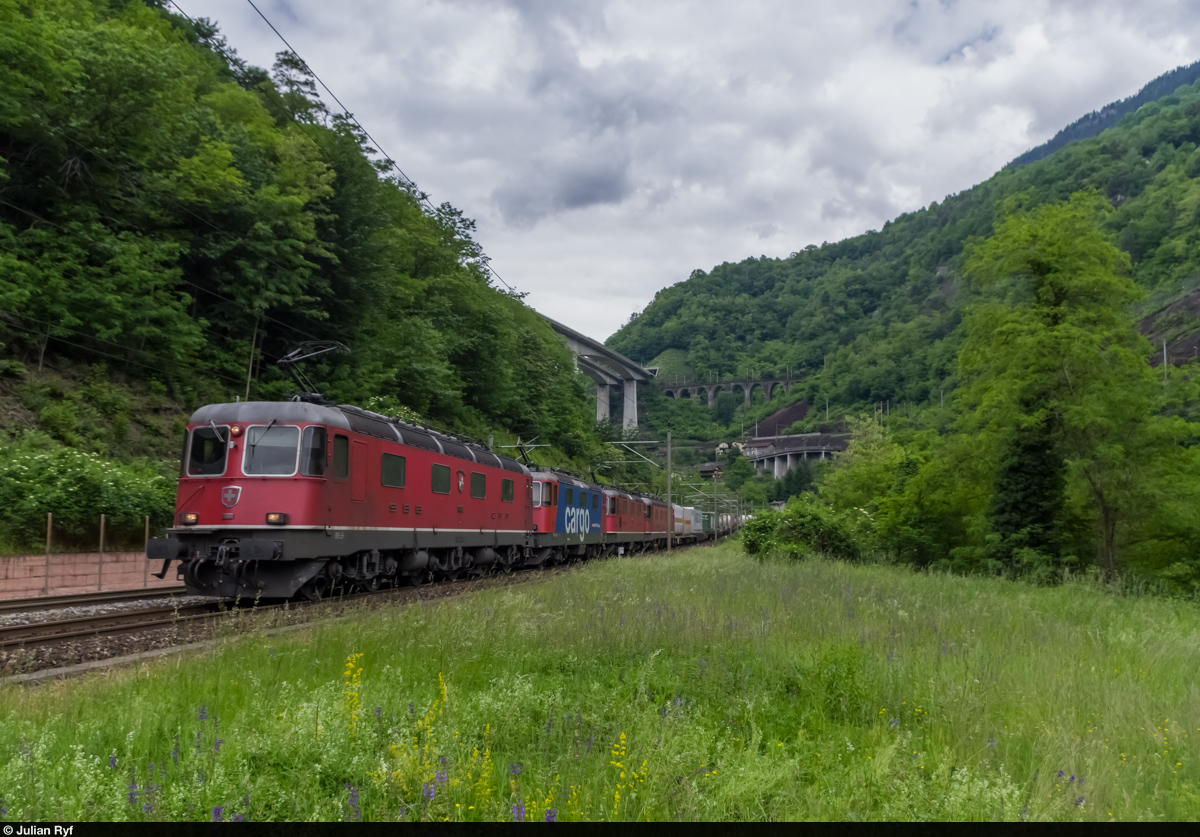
{"x": 746, "y": 386}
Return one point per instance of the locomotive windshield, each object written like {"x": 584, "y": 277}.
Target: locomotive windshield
{"x": 271, "y": 450}
{"x": 206, "y": 457}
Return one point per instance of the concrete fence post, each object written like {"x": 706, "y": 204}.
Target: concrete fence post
{"x": 49, "y": 527}
{"x": 146, "y": 563}
{"x": 100, "y": 559}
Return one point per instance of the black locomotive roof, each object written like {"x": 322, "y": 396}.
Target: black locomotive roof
{"x": 358, "y": 420}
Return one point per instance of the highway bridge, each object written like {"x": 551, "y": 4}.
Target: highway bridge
{"x": 608, "y": 369}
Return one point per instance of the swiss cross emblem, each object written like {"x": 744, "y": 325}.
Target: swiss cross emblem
{"x": 230, "y": 495}
{"x": 461, "y": 481}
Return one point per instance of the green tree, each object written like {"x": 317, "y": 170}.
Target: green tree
{"x": 1057, "y": 374}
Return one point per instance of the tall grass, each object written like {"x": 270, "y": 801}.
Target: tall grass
{"x": 701, "y": 686}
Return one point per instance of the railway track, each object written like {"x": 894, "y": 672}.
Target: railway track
{"x": 85, "y": 599}
{"x": 51, "y": 632}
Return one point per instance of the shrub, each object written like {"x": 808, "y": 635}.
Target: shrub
{"x": 77, "y": 487}
{"x": 806, "y": 525}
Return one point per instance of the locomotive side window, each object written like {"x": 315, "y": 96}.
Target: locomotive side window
{"x": 506, "y": 490}
{"x": 341, "y": 456}
{"x": 547, "y": 494}
{"x": 554, "y": 499}
{"x": 570, "y": 497}
{"x": 582, "y": 500}
{"x": 441, "y": 479}
{"x": 537, "y": 493}
{"x": 612, "y": 505}
{"x": 312, "y": 452}
{"x": 391, "y": 471}
{"x": 208, "y": 452}
{"x": 595, "y": 501}
{"x": 478, "y": 486}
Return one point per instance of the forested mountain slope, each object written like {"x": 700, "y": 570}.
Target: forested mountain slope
{"x": 1091, "y": 124}
{"x": 881, "y": 309}
{"x": 172, "y": 221}
{"x": 186, "y": 219}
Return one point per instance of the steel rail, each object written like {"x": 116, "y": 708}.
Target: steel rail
{"x": 84, "y": 599}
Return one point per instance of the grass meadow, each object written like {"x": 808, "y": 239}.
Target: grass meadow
{"x": 699, "y": 686}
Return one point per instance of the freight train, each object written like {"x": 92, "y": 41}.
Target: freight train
{"x": 295, "y": 498}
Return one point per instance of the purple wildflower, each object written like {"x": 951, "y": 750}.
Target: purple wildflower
{"x": 991, "y": 742}
{"x": 591, "y": 740}
{"x": 441, "y": 776}
{"x": 895, "y": 722}
{"x": 378, "y": 713}
{"x": 442, "y": 761}
{"x": 236, "y": 818}
{"x": 1071, "y": 781}
{"x": 1060, "y": 774}
{"x": 204, "y": 714}
{"x": 217, "y": 745}
{"x": 427, "y": 790}
{"x": 1080, "y": 800}
{"x": 549, "y": 724}
{"x": 112, "y": 761}
{"x": 148, "y": 807}
{"x": 518, "y": 812}
{"x": 412, "y": 710}
{"x": 216, "y": 813}
{"x": 133, "y": 792}
{"x": 514, "y": 768}
{"x": 551, "y": 814}
{"x": 354, "y": 802}
{"x": 3, "y": 808}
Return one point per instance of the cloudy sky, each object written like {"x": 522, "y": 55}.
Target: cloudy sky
{"x": 607, "y": 148}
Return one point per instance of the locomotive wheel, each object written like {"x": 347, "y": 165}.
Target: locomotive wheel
{"x": 315, "y": 590}
{"x": 372, "y": 586}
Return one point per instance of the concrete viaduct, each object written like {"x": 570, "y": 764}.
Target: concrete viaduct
{"x": 608, "y": 369}
{"x": 768, "y": 385}
{"x": 781, "y": 454}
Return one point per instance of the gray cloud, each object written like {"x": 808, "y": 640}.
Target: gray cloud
{"x": 619, "y": 145}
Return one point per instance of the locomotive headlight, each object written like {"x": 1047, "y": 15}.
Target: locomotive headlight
{"x": 189, "y": 519}
{"x": 277, "y": 519}
{"x": 235, "y": 431}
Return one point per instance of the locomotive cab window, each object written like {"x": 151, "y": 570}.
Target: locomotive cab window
{"x": 209, "y": 449}
{"x": 391, "y": 471}
{"x": 570, "y": 497}
{"x": 582, "y": 500}
{"x": 612, "y": 505}
{"x": 341, "y": 456}
{"x": 595, "y": 501}
{"x": 506, "y": 491}
{"x": 312, "y": 452}
{"x": 537, "y": 493}
{"x": 478, "y": 486}
{"x": 441, "y": 479}
{"x": 271, "y": 450}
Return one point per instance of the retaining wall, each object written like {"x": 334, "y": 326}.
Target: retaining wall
{"x": 23, "y": 576}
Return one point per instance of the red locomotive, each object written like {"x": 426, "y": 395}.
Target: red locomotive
{"x": 284, "y": 498}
